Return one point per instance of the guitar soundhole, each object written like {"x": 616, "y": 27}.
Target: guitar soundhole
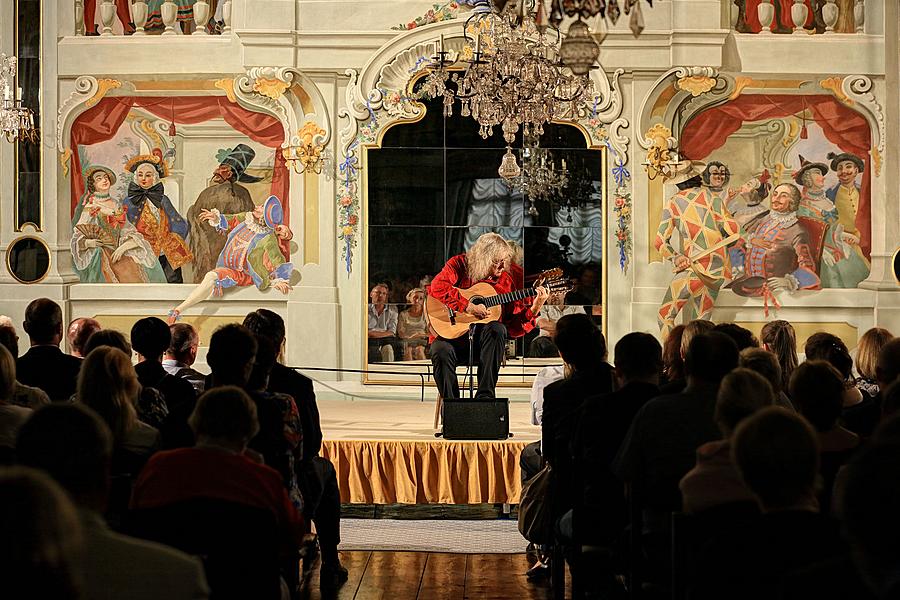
{"x": 476, "y": 300}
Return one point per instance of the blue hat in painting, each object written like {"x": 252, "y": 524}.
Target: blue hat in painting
{"x": 273, "y": 213}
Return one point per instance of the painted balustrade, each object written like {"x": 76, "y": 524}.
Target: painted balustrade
{"x": 798, "y": 17}
{"x": 208, "y": 16}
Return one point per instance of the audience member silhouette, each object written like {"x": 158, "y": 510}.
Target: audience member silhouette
{"x": 867, "y": 350}
{"x": 150, "y": 338}
{"x": 673, "y": 361}
{"x": 887, "y": 370}
{"x": 714, "y": 481}
{"x": 78, "y": 332}
{"x": 181, "y": 355}
{"x": 776, "y": 453}
{"x": 11, "y": 415}
{"x": 44, "y": 365}
{"x": 694, "y": 328}
{"x": 108, "y": 337}
{"x": 779, "y": 338}
{"x": 742, "y": 336}
{"x": 24, "y": 395}
{"x": 817, "y": 390}
{"x": 75, "y": 447}
{"x": 766, "y": 364}
{"x": 42, "y": 538}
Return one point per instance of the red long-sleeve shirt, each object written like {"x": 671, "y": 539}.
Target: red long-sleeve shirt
{"x": 517, "y": 316}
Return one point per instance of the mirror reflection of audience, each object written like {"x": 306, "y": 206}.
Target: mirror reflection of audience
{"x": 412, "y": 327}
{"x": 542, "y": 346}
{"x": 382, "y": 324}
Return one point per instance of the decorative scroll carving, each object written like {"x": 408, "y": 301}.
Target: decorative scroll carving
{"x": 103, "y": 86}
{"x": 858, "y": 88}
{"x": 227, "y": 86}
{"x": 64, "y": 157}
{"x": 833, "y": 85}
{"x": 695, "y": 80}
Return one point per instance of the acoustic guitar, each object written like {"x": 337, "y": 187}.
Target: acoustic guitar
{"x": 450, "y": 324}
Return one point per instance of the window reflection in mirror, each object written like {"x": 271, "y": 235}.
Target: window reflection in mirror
{"x": 432, "y": 189}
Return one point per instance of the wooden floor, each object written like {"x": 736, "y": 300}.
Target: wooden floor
{"x": 431, "y": 576}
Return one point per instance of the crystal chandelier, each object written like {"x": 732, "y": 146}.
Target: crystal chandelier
{"x": 514, "y": 77}
{"x": 16, "y": 121}
{"x": 540, "y": 180}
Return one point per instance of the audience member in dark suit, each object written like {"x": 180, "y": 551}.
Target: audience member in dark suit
{"x": 45, "y": 366}
{"x": 182, "y": 353}
{"x": 818, "y": 390}
{"x": 150, "y": 338}
{"x": 78, "y": 332}
{"x": 317, "y": 477}
{"x": 714, "y": 481}
{"x": 42, "y": 538}
{"x": 861, "y": 412}
{"x": 583, "y": 348}
{"x": 74, "y": 446}
{"x": 600, "y": 515}
{"x": 777, "y": 455}
{"x": 694, "y": 328}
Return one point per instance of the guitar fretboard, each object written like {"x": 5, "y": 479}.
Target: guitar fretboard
{"x": 509, "y": 297}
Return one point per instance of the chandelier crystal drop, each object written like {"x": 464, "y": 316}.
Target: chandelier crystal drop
{"x": 16, "y": 120}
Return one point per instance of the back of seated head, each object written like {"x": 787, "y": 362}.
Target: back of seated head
{"x": 231, "y": 351}
{"x": 184, "y": 338}
{"x": 765, "y": 363}
{"x": 581, "y": 344}
{"x": 108, "y": 384}
{"x": 673, "y": 359}
{"x": 150, "y": 337}
{"x": 7, "y": 375}
{"x": 71, "y": 443}
{"x": 817, "y": 390}
{"x": 43, "y": 321}
{"x": 888, "y": 430}
{"x": 107, "y": 337}
{"x": 710, "y": 357}
{"x": 741, "y": 393}
{"x": 695, "y": 327}
{"x": 868, "y": 509}
{"x": 638, "y": 356}
{"x": 890, "y": 400}
{"x": 266, "y": 353}
{"x": 42, "y": 537}
{"x": 832, "y": 349}
{"x": 9, "y": 340}
{"x": 888, "y": 369}
{"x": 744, "y": 338}
{"x": 867, "y": 350}
{"x": 266, "y": 323}
{"x": 225, "y": 413}
{"x": 80, "y": 330}
{"x": 777, "y": 455}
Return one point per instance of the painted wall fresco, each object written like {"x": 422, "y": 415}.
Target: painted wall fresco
{"x": 180, "y": 197}
{"x": 774, "y": 200}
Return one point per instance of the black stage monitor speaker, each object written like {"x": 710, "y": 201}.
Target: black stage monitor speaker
{"x": 476, "y": 419}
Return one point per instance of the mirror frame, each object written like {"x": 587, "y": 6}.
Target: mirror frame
{"x": 9, "y": 254}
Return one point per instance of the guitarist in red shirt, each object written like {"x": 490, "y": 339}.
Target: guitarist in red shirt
{"x": 486, "y": 261}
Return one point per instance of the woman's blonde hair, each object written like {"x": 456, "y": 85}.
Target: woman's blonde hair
{"x": 868, "y": 349}
{"x": 409, "y": 294}
{"x": 7, "y": 375}
{"x": 487, "y": 249}
{"x": 108, "y": 384}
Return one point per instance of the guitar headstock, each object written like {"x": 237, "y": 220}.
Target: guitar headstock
{"x": 554, "y": 281}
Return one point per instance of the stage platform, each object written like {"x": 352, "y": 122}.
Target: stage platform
{"x": 385, "y": 452}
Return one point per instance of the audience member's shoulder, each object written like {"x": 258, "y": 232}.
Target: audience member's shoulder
{"x": 289, "y": 376}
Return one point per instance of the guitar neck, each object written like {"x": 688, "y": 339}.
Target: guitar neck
{"x": 509, "y": 297}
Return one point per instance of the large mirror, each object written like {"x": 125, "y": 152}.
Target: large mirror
{"x": 27, "y": 180}
{"x": 432, "y": 188}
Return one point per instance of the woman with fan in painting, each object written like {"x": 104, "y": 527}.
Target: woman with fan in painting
{"x": 106, "y": 247}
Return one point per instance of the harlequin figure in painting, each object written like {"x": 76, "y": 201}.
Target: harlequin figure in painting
{"x": 839, "y": 266}
{"x": 151, "y": 211}
{"x": 252, "y": 253}
{"x": 106, "y": 247}
{"x": 778, "y": 255}
{"x": 225, "y": 194}
{"x": 706, "y": 229}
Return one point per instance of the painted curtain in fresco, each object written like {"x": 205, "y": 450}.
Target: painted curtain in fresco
{"x": 101, "y": 122}
{"x": 843, "y": 127}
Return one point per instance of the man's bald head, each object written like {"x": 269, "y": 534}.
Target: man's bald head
{"x": 79, "y": 331}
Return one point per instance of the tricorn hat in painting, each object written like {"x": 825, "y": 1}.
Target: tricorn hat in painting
{"x": 273, "y": 213}
{"x": 837, "y": 159}
{"x": 239, "y": 158}
{"x": 805, "y": 166}
{"x": 685, "y": 171}
{"x": 154, "y": 160}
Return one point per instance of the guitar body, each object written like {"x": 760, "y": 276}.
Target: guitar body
{"x": 449, "y": 328}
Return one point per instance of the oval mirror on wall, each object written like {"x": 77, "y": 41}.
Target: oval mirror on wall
{"x": 28, "y": 259}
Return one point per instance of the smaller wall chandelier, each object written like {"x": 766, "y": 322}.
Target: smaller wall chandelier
{"x": 16, "y": 121}
{"x": 306, "y": 152}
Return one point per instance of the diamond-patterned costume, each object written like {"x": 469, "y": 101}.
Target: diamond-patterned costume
{"x": 702, "y": 221}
